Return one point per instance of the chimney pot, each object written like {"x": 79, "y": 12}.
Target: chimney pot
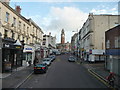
{"x": 18, "y": 9}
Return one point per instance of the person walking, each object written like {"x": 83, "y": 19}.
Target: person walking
{"x": 29, "y": 62}
{"x": 35, "y": 61}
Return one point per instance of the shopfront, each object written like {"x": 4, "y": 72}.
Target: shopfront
{"x": 11, "y": 55}
{"x": 29, "y": 54}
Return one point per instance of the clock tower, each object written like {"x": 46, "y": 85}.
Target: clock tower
{"x": 62, "y": 37}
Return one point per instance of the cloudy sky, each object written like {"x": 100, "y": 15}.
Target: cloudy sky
{"x": 54, "y": 16}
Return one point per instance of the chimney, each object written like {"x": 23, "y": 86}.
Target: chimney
{"x": 49, "y": 33}
{"x": 18, "y": 9}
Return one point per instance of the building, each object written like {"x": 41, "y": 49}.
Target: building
{"x": 62, "y": 36}
{"x": 63, "y": 47}
{"x": 74, "y": 44}
{"x": 17, "y": 34}
{"x": 49, "y": 43}
{"x": 112, "y": 44}
{"x": 92, "y": 33}
{"x": 33, "y": 48}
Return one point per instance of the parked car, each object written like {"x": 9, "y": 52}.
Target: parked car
{"x": 58, "y": 53}
{"x": 40, "y": 68}
{"x": 71, "y": 59}
{"x": 46, "y": 61}
{"x": 52, "y": 57}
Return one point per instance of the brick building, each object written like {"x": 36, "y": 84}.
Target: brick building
{"x": 112, "y": 41}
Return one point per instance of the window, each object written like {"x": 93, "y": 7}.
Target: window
{"x": 23, "y": 37}
{"x": 19, "y": 26}
{"x": 27, "y": 41}
{"x": 27, "y": 29}
{"x": 23, "y": 27}
{"x": 44, "y": 39}
{"x": 33, "y": 30}
{"x": 108, "y": 44}
{"x": 19, "y": 37}
{"x": 117, "y": 42}
{"x": 0, "y": 13}
{"x": 13, "y": 35}
{"x": 43, "y": 43}
{"x": 7, "y": 17}
{"x": 5, "y": 35}
{"x": 14, "y": 21}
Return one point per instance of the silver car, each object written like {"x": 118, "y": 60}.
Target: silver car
{"x": 46, "y": 61}
{"x": 71, "y": 59}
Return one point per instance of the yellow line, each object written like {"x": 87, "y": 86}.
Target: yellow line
{"x": 101, "y": 80}
{"x": 98, "y": 78}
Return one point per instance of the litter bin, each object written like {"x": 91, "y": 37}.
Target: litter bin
{"x": 7, "y": 66}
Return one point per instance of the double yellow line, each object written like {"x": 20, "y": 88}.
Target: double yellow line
{"x": 104, "y": 82}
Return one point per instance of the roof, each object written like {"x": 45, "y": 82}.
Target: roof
{"x": 14, "y": 11}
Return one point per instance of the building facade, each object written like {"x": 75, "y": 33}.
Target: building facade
{"x": 63, "y": 47}
{"x": 62, "y": 36}
{"x": 49, "y": 43}
{"x": 74, "y": 44}
{"x": 17, "y": 32}
{"x": 112, "y": 44}
{"x": 92, "y": 33}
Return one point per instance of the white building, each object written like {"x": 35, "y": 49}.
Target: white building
{"x": 92, "y": 33}
{"x": 49, "y": 43}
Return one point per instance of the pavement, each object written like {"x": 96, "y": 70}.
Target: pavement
{"x": 17, "y": 77}
{"x": 98, "y": 70}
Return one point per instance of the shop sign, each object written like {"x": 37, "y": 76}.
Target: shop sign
{"x": 18, "y": 47}
{"x": 90, "y": 51}
{"x": 28, "y": 48}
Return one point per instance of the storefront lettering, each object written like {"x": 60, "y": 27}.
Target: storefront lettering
{"x": 17, "y": 47}
{"x": 28, "y": 48}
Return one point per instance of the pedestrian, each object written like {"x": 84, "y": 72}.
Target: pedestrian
{"x": 35, "y": 61}
{"x": 29, "y": 62}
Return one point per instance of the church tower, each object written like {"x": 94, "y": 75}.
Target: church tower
{"x": 62, "y": 37}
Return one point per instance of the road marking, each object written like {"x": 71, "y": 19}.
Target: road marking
{"x": 29, "y": 76}
{"x": 100, "y": 79}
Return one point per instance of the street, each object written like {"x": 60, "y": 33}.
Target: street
{"x": 63, "y": 74}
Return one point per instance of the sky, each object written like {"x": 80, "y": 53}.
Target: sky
{"x": 53, "y": 16}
